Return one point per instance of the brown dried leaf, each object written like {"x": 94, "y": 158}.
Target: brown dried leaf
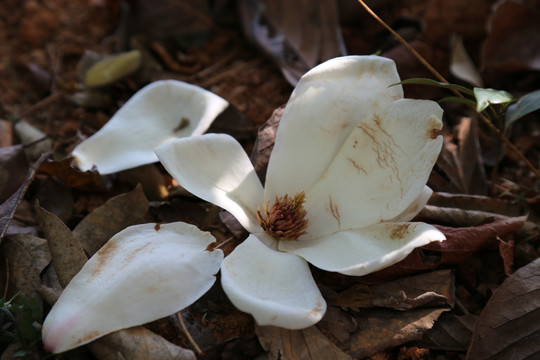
{"x": 303, "y": 344}
{"x": 72, "y": 177}
{"x": 6, "y": 133}
{"x": 150, "y": 178}
{"x": 467, "y": 218}
{"x": 295, "y": 34}
{"x": 477, "y": 202}
{"x": 462, "y": 161}
{"x": 110, "y": 218}
{"x": 430, "y": 289}
{"x": 509, "y": 325}
{"x": 13, "y": 169}
{"x": 264, "y": 143}
{"x": 137, "y": 343}
{"x": 380, "y": 329}
{"x": 7, "y": 208}
{"x": 36, "y": 247}
{"x": 67, "y": 253}
{"x": 451, "y": 333}
{"x": 23, "y": 275}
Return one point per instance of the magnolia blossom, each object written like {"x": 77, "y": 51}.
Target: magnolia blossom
{"x": 346, "y": 175}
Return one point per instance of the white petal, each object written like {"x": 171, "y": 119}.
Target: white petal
{"x": 275, "y": 287}
{"x": 380, "y": 171}
{"x": 159, "y": 112}
{"x": 326, "y": 105}
{"x": 415, "y": 207}
{"x": 143, "y": 273}
{"x": 215, "y": 168}
{"x": 363, "y": 251}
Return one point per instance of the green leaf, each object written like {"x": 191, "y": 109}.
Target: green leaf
{"x": 525, "y": 105}
{"x": 424, "y": 81}
{"x": 485, "y": 97}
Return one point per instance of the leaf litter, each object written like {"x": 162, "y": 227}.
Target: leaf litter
{"x": 427, "y": 304}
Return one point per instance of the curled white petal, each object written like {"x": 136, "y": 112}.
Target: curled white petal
{"x": 363, "y": 251}
{"x": 275, "y": 287}
{"x": 414, "y": 208}
{"x": 326, "y": 105}
{"x": 159, "y": 112}
{"x": 215, "y": 168}
{"x": 143, "y": 273}
{"x": 380, "y": 170}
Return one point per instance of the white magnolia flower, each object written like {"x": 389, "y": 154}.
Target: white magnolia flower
{"x": 159, "y": 112}
{"x": 347, "y": 173}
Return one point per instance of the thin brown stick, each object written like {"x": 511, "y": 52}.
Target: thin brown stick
{"x": 457, "y": 93}
{"x": 186, "y": 332}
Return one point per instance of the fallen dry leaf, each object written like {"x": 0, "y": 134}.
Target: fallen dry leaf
{"x": 295, "y": 34}
{"x": 6, "y": 133}
{"x": 479, "y": 203}
{"x": 461, "y": 217}
{"x": 509, "y": 326}
{"x": 138, "y": 343}
{"x": 264, "y": 143}
{"x": 380, "y": 329}
{"x": 72, "y": 177}
{"x": 303, "y": 344}
{"x": 150, "y": 178}
{"x": 67, "y": 253}
{"x": 451, "y": 333}
{"x": 432, "y": 289}
{"x": 110, "y": 218}
{"x": 8, "y": 207}
{"x": 462, "y": 160}
{"x": 13, "y": 169}
{"x": 23, "y": 275}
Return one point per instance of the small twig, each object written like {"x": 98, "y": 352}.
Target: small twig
{"x": 42, "y": 103}
{"x": 186, "y": 332}
{"x": 457, "y": 93}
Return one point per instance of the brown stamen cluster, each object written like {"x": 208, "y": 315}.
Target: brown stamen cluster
{"x": 286, "y": 219}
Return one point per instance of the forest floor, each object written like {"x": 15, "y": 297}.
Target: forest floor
{"x": 474, "y": 295}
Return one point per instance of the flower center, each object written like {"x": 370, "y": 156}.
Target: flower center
{"x": 286, "y": 218}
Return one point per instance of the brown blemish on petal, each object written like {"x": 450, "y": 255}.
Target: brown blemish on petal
{"x": 334, "y": 210}
{"x": 157, "y": 227}
{"x": 434, "y": 128}
{"x": 399, "y": 231}
{"x": 356, "y": 166}
{"x": 184, "y": 123}
{"x": 107, "y": 252}
{"x": 384, "y": 145}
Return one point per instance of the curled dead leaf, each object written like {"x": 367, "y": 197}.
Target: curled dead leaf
{"x": 508, "y": 327}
